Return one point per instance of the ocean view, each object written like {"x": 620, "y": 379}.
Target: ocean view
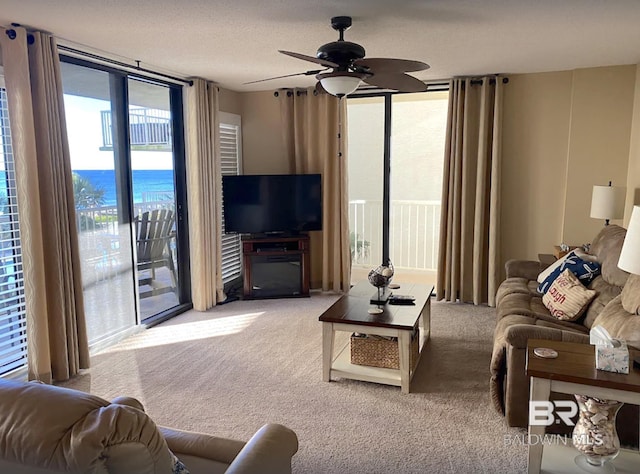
{"x": 144, "y": 181}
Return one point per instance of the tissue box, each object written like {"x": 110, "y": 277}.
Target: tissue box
{"x": 613, "y": 359}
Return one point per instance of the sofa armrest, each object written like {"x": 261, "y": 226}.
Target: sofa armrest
{"x": 128, "y": 401}
{"x": 201, "y": 445}
{"x": 269, "y": 451}
{"x": 529, "y": 269}
{"x": 518, "y": 335}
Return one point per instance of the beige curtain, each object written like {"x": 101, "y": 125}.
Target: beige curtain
{"x": 204, "y": 194}
{"x": 470, "y": 217}
{"x": 311, "y": 124}
{"x": 56, "y": 328}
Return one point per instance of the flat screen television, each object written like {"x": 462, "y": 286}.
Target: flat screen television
{"x": 265, "y": 204}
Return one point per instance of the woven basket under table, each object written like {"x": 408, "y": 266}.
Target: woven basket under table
{"x": 378, "y": 351}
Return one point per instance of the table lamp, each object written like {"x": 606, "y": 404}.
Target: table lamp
{"x": 607, "y": 202}
{"x": 630, "y": 255}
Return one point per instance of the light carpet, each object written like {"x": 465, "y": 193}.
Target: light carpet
{"x": 238, "y": 366}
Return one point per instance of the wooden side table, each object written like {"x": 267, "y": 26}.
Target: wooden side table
{"x": 559, "y": 253}
{"x": 573, "y": 372}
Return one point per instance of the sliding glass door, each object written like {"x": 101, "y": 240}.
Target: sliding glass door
{"x": 104, "y": 233}
{"x": 154, "y": 203}
{"x": 418, "y": 129}
{"x": 396, "y": 156}
{"x": 129, "y": 216}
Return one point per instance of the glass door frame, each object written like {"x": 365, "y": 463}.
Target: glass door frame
{"x": 118, "y": 83}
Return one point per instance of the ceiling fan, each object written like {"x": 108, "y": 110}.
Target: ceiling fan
{"x": 345, "y": 66}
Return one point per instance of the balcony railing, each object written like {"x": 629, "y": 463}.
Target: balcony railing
{"x": 147, "y": 128}
{"x": 413, "y": 239}
{"x": 101, "y": 237}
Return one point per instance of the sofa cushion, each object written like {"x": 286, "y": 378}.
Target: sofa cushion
{"x": 620, "y": 323}
{"x": 606, "y": 247}
{"x": 531, "y": 307}
{"x": 585, "y": 270}
{"x": 567, "y": 298}
{"x": 516, "y": 285}
{"x": 631, "y": 295}
{"x": 606, "y": 292}
{"x": 521, "y": 304}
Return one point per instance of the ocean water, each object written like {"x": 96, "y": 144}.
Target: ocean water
{"x": 144, "y": 181}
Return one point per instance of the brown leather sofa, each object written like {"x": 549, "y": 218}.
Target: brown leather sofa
{"x": 48, "y": 429}
{"x": 521, "y": 316}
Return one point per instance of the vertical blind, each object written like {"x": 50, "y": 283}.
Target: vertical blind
{"x": 13, "y": 337}
{"x": 230, "y": 161}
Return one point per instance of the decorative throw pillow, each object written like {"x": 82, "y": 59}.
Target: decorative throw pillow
{"x": 585, "y": 270}
{"x": 178, "y": 467}
{"x": 544, "y": 274}
{"x": 574, "y": 253}
{"x": 567, "y": 298}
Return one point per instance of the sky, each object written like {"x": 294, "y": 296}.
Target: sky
{"x": 84, "y": 126}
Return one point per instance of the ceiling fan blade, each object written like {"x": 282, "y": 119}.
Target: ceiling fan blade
{"x": 313, "y": 59}
{"x": 307, "y": 73}
{"x": 398, "y": 81}
{"x": 387, "y": 65}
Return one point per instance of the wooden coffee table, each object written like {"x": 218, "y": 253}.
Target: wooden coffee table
{"x": 573, "y": 372}
{"x": 350, "y": 314}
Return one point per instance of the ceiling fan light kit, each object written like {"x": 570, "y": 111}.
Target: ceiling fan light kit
{"x": 340, "y": 83}
{"x": 350, "y": 67}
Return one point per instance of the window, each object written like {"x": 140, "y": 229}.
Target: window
{"x": 13, "y": 337}
{"x": 231, "y": 160}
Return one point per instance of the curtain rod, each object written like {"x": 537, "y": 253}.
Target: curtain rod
{"x": 122, "y": 64}
{"x": 478, "y": 82}
{"x": 290, "y": 91}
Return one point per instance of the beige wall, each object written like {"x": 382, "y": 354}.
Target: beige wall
{"x": 229, "y": 101}
{"x": 601, "y": 112}
{"x": 262, "y": 145}
{"x": 537, "y": 109}
{"x": 563, "y": 133}
{"x": 633, "y": 173}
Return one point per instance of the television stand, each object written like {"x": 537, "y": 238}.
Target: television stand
{"x": 276, "y": 266}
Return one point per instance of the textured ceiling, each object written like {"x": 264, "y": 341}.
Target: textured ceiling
{"x": 236, "y": 41}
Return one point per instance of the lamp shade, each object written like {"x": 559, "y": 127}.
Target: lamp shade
{"x": 607, "y": 202}
{"x": 630, "y": 255}
{"x": 339, "y": 84}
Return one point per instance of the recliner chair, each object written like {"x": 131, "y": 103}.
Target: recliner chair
{"x": 49, "y": 429}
